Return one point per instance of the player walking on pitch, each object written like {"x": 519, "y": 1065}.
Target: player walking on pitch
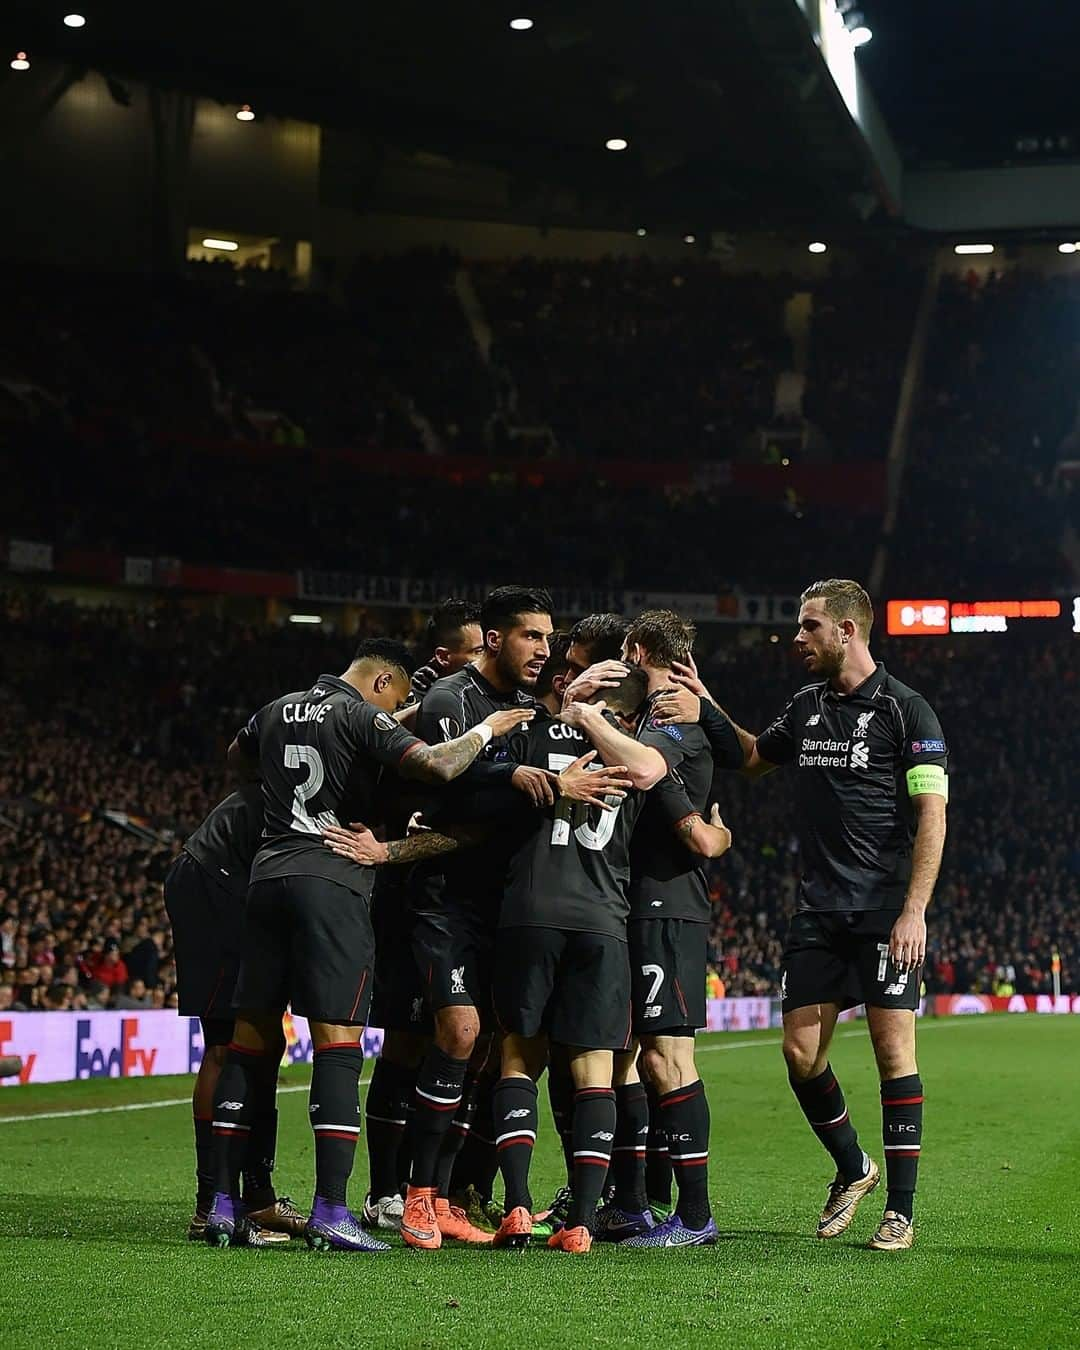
{"x": 872, "y": 790}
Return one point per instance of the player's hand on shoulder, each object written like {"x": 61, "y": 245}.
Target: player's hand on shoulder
{"x": 603, "y": 675}
{"x": 678, "y": 704}
{"x": 581, "y": 783}
{"x": 537, "y": 784}
{"x": 502, "y": 723}
{"x": 357, "y": 843}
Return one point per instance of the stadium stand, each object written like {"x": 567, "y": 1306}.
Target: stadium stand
{"x": 96, "y": 794}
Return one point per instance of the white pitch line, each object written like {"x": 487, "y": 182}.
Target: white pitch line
{"x": 303, "y": 1087}
{"x": 109, "y": 1110}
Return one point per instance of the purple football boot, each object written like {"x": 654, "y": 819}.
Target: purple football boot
{"x": 335, "y": 1228}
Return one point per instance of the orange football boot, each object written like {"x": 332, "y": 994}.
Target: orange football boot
{"x": 419, "y": 1223}
{"x": 515, "y": 1230}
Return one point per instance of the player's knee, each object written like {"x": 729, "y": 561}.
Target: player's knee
{"x": 660, "y": 1067}
{"x": 456, "y": 1035}
{"x": 895, "y": 1059}
{"x": 801, "y": 1059}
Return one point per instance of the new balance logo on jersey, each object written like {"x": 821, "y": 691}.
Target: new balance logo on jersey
{"x": 516, "y": 1115}
{"x": 860, "y": 754}
{"x": 813, "y": 720}
{"x": 605, "y": 1135}
{"x": 457, "y": 980}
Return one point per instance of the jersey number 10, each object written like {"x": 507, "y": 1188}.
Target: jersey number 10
{"x": 566, "y": 812}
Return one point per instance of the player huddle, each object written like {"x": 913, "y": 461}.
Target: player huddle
{"x": 517, "y": 881}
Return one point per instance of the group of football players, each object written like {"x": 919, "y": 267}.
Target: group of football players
{"x": 505, "y": 852}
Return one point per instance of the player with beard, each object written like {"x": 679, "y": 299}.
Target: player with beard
{"x": 670, "y": 914}
{"x": 872, "y": 791}
{"x": 307, "y": 933}
{"x": 455, "y": 907}
{"x": 453, "y": 640}
{"x": 205, "y": 891}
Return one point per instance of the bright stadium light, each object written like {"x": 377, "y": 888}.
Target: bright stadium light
{"x": 641, "y": 231}
{"x": 21, "y": 62}
{"x": 1066, "y": 248}
{"x": 861, "y": 36}
{"x": 689, "y": 238}
{"x": 305, "y": 618}
{"x": 973, "y": 248}
{"x": 521, "y": 25}
{"x": 244, "y": 113}
{"x": 616, "y": 143}
{"x": 74, "y": 21}
{"x": 817, "y": 247}
{"x": 225, "y": 245}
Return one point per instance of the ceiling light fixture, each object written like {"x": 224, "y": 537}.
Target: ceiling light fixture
{"x": 616, "y": 143}
{"x": 861, "y": 36}
{"x": 641, "y": 231}
{"x": 1066, "y": 248}
{"x": 689, "y": 238}
{"x": 74, "y": 21}
{"x": 521, "y": 25}
{"x": 973, "y": 248}
{"x": 305, "y": 618}
{"x": 817, "y": 247}
{"x": 244, "y": 113}
{"x": 21, "y": 62}
{"x": 225, "y": 245}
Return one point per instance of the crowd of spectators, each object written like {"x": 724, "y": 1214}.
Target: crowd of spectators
{"x": 115, "y": 723}
{"x": 986, "y": 499}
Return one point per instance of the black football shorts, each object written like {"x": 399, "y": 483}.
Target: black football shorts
{"x": 453, "y": 948}
{"x": 574, "y": 986}
{"x": 308, "y": 944}
{"x": 844, "y": 959}
{"x": 668, "y": 958}
{"x": 207, "y": 922}
{"x": 397, "y": 1000}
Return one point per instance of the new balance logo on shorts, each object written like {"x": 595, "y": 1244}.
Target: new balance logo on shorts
{"x": 653, "y": 1010}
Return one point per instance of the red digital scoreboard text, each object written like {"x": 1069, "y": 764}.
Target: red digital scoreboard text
{"x": 917, "y": 617}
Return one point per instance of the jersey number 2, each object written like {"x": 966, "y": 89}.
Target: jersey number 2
{"x": 301, "y": 757}
{"x": 589, "y": 836}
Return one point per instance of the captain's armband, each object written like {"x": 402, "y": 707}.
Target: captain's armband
{"x": 928, "y": 779}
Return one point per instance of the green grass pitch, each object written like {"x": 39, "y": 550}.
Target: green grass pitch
{"x": 93, "y": 1210}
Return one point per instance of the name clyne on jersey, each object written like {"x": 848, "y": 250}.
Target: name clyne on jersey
{"x": 305, "y": 712}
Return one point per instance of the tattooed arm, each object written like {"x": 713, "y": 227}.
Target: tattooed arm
{"x": 709, "y": 839}
{"x": 443, "y": 763}
{"x": 360, "y": 846}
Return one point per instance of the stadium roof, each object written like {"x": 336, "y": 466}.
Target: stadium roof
{"x": 972, "y": 82}
{"x": 724, "y": 103}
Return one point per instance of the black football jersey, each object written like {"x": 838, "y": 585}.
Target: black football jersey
{"x": 572, "y": 868}
{"x": 226, "y": 842}
{"x": 667, "y": 880}
{"x": 451, "y": 707}
{"x": 856, "y": 820}
{"x": 320, "y": 752}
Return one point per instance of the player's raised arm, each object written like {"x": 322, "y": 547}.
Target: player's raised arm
{"x": 689, "y": 700}
{"x": 443, "y": 763}
{"x": 645, "y": 766}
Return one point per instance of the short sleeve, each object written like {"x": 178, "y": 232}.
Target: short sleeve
{"x": 383, "y": 736}
{"x": 440, "y": 716}
{"x": 673, "y": 742}
{"x": 726, "y": 747}
{"x": 924, "y": 740}
{"x": 777, "y": 742}
{"x": 670, "y": 800}
{"x": 247, "y": 738}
